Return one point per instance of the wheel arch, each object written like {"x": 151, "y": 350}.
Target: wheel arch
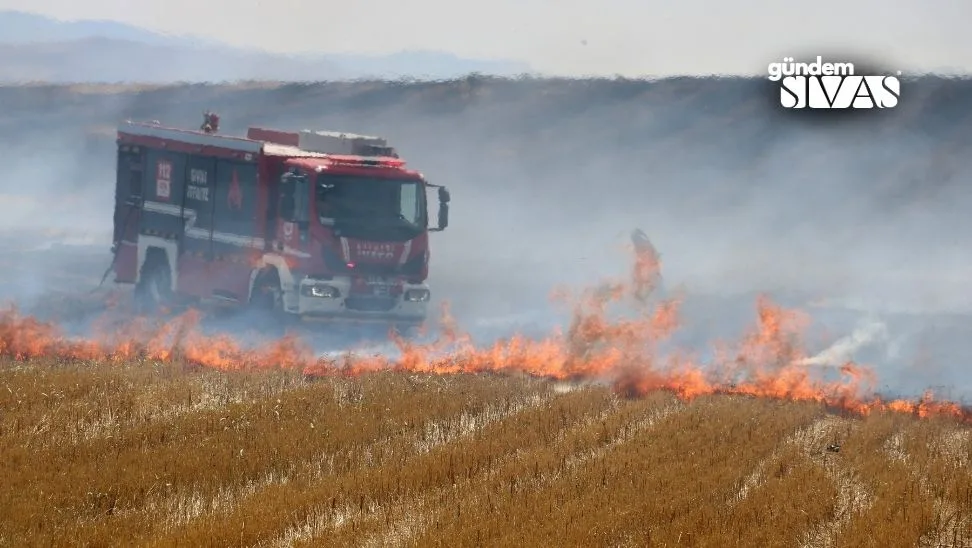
{"x": 258, "y": 274}
{"x": 153, "y": 248}
{"x": 276, "y": 263}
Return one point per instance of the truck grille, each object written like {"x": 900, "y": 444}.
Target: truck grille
{"x": 336, "y": 265}
{"x": 364, "y": 303}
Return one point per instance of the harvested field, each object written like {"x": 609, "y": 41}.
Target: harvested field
{"x": 154, "y": 454}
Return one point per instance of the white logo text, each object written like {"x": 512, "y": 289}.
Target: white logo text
{"x": 825, "y": 85}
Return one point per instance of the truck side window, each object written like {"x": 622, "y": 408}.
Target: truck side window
{"x": 409, "y": 204}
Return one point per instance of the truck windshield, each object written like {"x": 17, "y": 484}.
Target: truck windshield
{"x": 371, "y": 207}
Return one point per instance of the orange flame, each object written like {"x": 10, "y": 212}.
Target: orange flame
{"x": 765, "y": 363}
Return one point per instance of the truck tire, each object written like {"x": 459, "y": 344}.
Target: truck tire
{"x": 267, "y": 295}
{"x": 153, "y": 292}
{"x": 267, "y": 299}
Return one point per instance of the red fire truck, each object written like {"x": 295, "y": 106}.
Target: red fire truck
{"x": 314, "y": 224}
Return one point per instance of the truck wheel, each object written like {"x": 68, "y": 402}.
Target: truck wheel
{"x": 267, "y": 304}
{"x": 154, "y": 289}
{"x": 267, "y": 294}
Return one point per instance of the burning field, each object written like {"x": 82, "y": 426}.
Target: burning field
{"x": 151, "y": 432}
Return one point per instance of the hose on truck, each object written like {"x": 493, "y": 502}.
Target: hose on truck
{"x": 116, "y": 246}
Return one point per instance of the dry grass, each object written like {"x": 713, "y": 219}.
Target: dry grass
{"x": 149, "y": 454}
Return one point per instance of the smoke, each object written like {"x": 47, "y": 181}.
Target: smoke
{"x": 853, "y": 222}
{"x": 843, "y": 351}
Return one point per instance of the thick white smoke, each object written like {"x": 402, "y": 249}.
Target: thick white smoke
{"x": 549, "y": 177}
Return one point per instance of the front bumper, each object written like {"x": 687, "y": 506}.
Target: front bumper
{"x": 333, "y": 300}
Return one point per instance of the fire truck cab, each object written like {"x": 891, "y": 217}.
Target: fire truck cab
{"x": 316, "y": 224}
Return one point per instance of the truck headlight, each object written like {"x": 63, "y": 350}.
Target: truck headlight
{"x": 417, "y": 295}
{"x": 321, "y": 291}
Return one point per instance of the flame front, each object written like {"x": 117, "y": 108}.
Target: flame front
{"x": 768, "y": 362}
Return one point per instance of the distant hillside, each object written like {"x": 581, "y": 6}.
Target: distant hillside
{"x": 37, "y": 48}
{"x": 114, "y": 60}
{"x": 17, "y": 27}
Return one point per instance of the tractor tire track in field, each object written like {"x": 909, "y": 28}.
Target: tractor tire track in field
{"x": 436, "y": 433}
{"x": 853, "y": 494}
{"x": 411, "y": 524}
{"x": 432, "y": 431}
{"x": 182, "y": 509}
{"x": 403, "y": 519}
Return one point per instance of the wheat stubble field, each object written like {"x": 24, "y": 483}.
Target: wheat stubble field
{"x": 146, "y": 453}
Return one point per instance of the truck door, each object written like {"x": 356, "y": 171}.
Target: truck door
{"x": 294, "y": 211}
{"x": 236, "y": 214}
{"x": 128, "y": 197}
{"x": 237, "y": 226}
{"x": 198, "y": 207}
{"x": 164, "y": 187}
{"x": 196, "y": 243}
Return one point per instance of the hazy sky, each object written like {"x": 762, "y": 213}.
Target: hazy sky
{"x": 632, "y": 37}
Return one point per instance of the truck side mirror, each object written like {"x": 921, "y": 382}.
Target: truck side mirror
{"x": 287, "y": 202}
{"x": 443, "y": 215}
{"x": 301, "y": 197}
{"x": 444, "y": 199}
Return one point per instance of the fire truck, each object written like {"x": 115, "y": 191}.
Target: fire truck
{"x": 308, "y": 224}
